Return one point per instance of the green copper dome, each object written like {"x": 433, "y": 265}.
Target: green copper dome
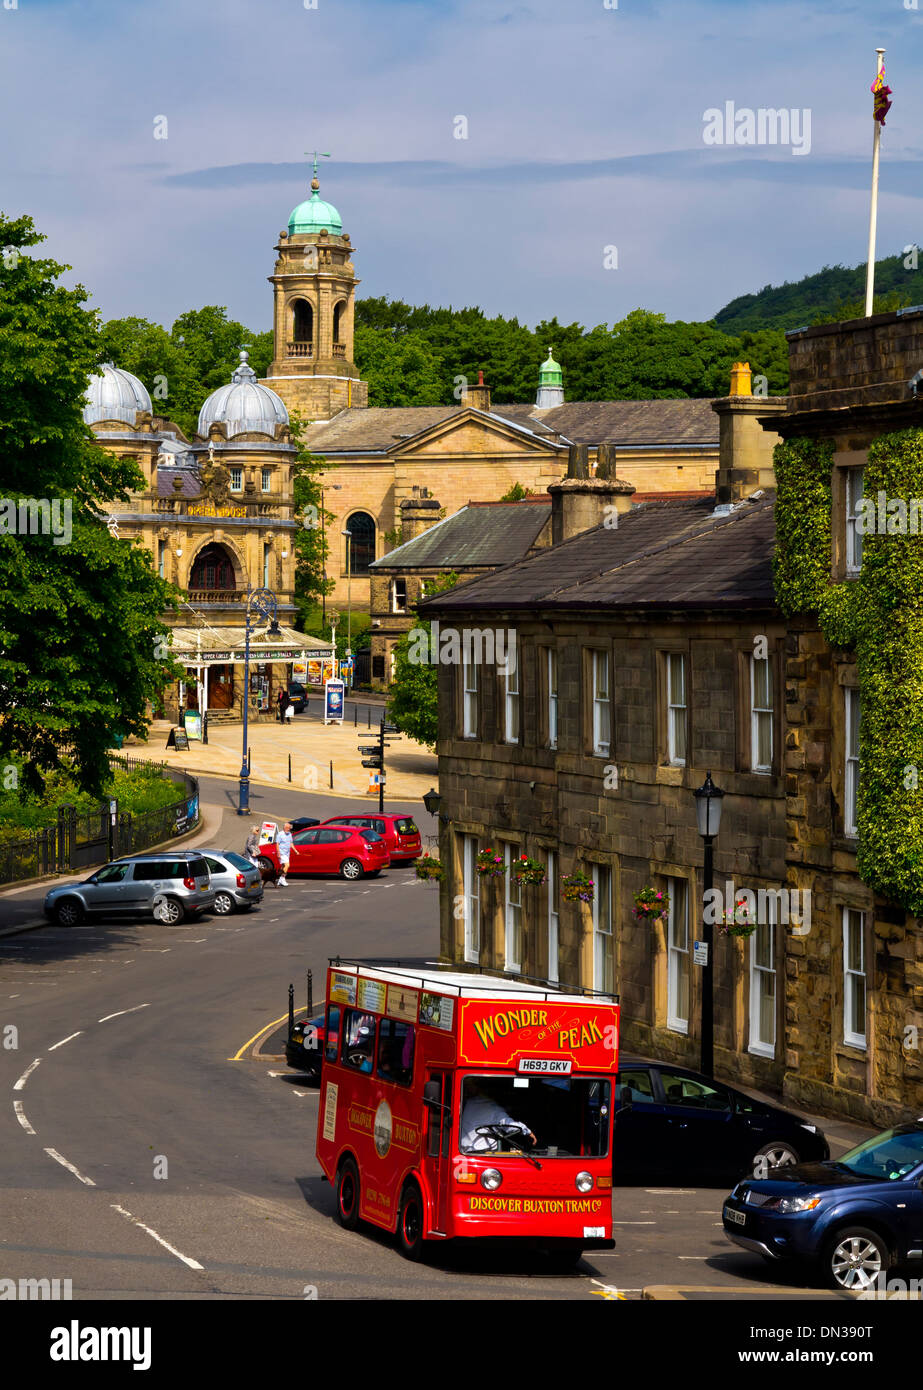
{"x": 313, "y": 215}
{"x": 550, "y": 373}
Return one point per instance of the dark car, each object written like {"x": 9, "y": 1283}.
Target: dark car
{"x": 304, "y": 1048}
{"x": 399, "y": 831}
{"x": 672, "y": 1120}
{"x": 303, "y": 823}
{"x": 298, "y": 696}
{"x": 855, "y": 1216}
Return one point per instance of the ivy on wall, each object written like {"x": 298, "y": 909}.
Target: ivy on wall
{"x": 879, "y": 616}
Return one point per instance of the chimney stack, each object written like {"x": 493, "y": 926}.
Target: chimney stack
{"x": 745, "y": 444}
{"x": 478, "y": 397}
{"x": 579, "y": 502}
{"x": 418, "y": 514}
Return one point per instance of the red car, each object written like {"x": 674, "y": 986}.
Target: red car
{"x": 400, "y": 833}
{"x": 332, "y": 849}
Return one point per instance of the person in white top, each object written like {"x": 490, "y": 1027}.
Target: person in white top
{"x": 284, "y": 846}
{"x": 480, "y": 1110}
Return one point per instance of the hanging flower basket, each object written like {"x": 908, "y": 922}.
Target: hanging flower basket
{"x": 652, "y": 905}
{"x": 737, "y": 923}
{"x": 577, "y": 887}
{"x": 526, "y": 870}
{"x": 428, "y": 867}
{"x": 490, "y": 864}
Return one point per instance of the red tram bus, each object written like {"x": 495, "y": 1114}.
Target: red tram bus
{"x": 465, "y": 1106}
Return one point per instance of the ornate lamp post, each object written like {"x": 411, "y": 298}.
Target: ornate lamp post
{"x": 261, "y": 606}
{"x": 349, "y": 598}
{"x": 708, "y": 799}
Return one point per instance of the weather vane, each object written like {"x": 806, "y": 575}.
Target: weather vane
{"x": 317, "y": 154}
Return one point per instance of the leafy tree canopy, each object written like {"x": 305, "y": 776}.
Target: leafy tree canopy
{"x": 81, "y": 637}
{"x": 413, "y": 698}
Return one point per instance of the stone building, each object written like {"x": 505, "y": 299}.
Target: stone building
{"x": 651, "y": 650}
{"x": 216, "y": 514}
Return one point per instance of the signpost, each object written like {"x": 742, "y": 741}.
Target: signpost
{"x": 192, "y": 720}
{"x": 375, "y": 758}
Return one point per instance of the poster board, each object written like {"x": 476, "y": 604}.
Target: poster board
{"x": 334, "y": 691}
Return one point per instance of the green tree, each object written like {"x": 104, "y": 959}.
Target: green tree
{"x": 413, "y": 698}
{"x": 401, "y": 370}
{"x": 312, "y": 547}
{"x": 82, "y": 642}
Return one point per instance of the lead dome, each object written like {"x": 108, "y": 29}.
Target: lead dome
{"x": 114, "y": 394}
{"x": 243, "y": 406}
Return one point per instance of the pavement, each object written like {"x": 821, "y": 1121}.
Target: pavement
{"x": 325, "y": 759}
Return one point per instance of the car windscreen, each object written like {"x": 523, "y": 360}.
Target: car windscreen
{"x": 406, "y": 826}
{"x": 567, "y": 1116}
{"x": 886, "y": 1156}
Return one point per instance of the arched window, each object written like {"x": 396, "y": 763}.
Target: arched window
{"x": 212, "y": 569}
{"x": 303, "y": 322}
{"x": 338, "y": 310}
{"x": 361, "y": 529}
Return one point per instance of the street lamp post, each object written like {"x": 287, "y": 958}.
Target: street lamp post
{"x": 349, "y": 597}
{"x": 261, "y": 604}
{"x": 335, "y": 487}
{"x": 708, "y": 799}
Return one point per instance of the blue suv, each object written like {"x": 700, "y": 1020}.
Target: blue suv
{"x": 857, "y": 1215}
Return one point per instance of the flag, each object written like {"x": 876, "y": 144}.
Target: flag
{"x": 882, "y": 94}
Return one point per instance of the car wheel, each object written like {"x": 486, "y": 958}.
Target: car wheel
{"x": 264, "y": 863}
{"x": 779, "y": 1153}
{"x": 351, "y": 869}
{"x": 410, "y": 1223}
{"x": 856, "y": 1258}
{"x": 69, "y": 913}
{"x": 224, "y": 904}
{"x": 348, "y": 1195}
{"x": 172, "y": 911}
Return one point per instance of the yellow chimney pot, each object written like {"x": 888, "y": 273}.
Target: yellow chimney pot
{"x": 741, "y": 379}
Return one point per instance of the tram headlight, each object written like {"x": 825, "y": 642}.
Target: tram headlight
{"x": 491, "y": 1178}
{"x": 584, "y": 1182}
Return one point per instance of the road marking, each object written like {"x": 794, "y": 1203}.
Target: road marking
{"x": 193, "y": 1264}
{"x": 20, "y": 1085}
{"x": 671, "y": 1191}
{"x": 193, "y": 941}
{"x": 20, "y": 1115}
{"x": 606, "y": 1290}
{"x": 634, "y": 1223}
{"x": 237, "y": 1056}
{"x": 59, "y": 1158}
{"x": 121, "y": 1013}
{"x": 277, "y": 1073}
{"x": 70, "y": 1038}
{"x": 155, "y": 950}
{"x": 301, "y": 1093}
{"x": 696, "y": 1257}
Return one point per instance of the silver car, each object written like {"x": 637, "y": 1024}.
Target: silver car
{"x": 168, "y": 886}
{"x": 238, "y": 884}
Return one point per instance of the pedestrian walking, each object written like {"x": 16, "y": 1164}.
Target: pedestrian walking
{"x": 285, "y": 704}
{"x": 289, "y": 712}
{"x": 253, "y": 845}
{"x": 284, "y": 846}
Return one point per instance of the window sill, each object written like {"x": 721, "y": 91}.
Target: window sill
{"x": 762, "y": 1050}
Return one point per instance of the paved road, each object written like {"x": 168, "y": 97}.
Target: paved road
{"x": 138, "y": 1161}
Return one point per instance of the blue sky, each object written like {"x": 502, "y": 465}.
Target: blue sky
{"x": 584, "y": 130}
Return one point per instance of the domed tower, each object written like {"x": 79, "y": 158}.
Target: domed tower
{"x": 114, "y": 394}
{"x": 315, "y": 287}
{"x": 550, "y": 385}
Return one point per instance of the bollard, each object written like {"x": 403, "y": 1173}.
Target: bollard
{"x": 310, "y": 993}
{"x": 368, "y": 710}
{"x": 289, "y": 767}
{"x": 355, "y": 716}
{"x": 291, "y": 1009}
{"x": 331, "y": 774}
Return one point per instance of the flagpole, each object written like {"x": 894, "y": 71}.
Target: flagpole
{"x": 873, "y": 215}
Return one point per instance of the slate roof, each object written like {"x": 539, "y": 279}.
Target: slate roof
{"x": 192, "y": 483}
{"x": 373, "y": 429}
{"x": 663, "y": 555}
{"x": 624, "y": 422}
{"x": 482, "y": 533}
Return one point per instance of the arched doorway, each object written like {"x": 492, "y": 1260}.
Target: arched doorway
{"x": 302, "y": 327}
{"x": 361, "y": 528}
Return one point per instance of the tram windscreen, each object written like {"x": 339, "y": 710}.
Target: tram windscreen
{"x": 545, "y": 1116}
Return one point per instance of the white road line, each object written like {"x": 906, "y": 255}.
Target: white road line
{"x": 277, "y": 1073}
{"x": 17, "y": 1106}
{"x": 20, "y": 1085}
{"x": 698, "y": 1257}
{"x": 301, "y": 1093}
{"x": 59, "y": 1158}
{"x": 193, "y": 1264}
{"x": 155, "y": 950}
{"x": 70, "y": 1038}
{"x": 121, "y": 1013}
{"x": 634, "y": 1223}
{"x": 193, "y": 941}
